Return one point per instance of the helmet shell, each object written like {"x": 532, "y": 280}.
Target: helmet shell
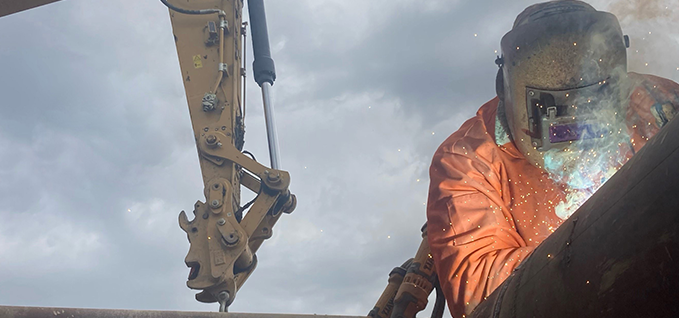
{"x": 558, "y": 46}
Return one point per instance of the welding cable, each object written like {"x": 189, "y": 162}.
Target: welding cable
{"x": 440, "y": 304}
{"x": 186, "y": 11}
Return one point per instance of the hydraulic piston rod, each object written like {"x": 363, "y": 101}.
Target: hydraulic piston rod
{"x": 274, "y": 155}
{"x": 617, "y": 256}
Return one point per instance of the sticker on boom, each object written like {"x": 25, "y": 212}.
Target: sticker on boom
{"x": 197, "y": 61}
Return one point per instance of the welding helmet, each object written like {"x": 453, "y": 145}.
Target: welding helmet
{"x": 561, "y": 65}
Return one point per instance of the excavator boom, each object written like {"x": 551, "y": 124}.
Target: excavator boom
{"x": 8, "y": 7}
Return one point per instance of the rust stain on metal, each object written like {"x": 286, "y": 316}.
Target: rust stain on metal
{"x": 610, "y": 276}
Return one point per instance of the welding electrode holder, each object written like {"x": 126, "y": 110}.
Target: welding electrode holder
{"x": 385, "y": 304}
{"x": 409, "y": 287}
{"x": 418, "y": 283}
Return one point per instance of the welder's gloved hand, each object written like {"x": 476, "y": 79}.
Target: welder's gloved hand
{"x": 663, "y": 113}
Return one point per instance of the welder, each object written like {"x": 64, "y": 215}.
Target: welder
{"x": 567, "y": 116}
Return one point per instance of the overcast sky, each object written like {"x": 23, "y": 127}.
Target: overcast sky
{"x": 97, "y": 155}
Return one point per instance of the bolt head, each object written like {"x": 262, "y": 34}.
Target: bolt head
{"x": 215, "y": 203}
{"x": 223, "y": 296}
{"x": 221, "y": 221}
{"x": 232, "y": 238}
{"x": 274, "y": 177}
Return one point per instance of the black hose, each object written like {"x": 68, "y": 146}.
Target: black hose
{"x": 250, "y": 154}
{"x": 239, "y": 212}
{"x": 440, "y": 304}
{"x": 186, "y": 11}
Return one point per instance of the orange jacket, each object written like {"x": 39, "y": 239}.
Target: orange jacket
{"x": 488, "y": 208}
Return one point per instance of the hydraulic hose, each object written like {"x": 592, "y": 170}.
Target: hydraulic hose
{"x": 440, "y": 304}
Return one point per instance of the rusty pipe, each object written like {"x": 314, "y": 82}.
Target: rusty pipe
{"x": 617, "y": 256}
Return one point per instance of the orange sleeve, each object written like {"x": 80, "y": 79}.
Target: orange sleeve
{"x": 654, "y": 101}
{"x": 472, "y": 234}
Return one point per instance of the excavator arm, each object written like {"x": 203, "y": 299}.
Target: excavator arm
{"x": 220, "y": 261}
{"x": 224, "y": 234}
